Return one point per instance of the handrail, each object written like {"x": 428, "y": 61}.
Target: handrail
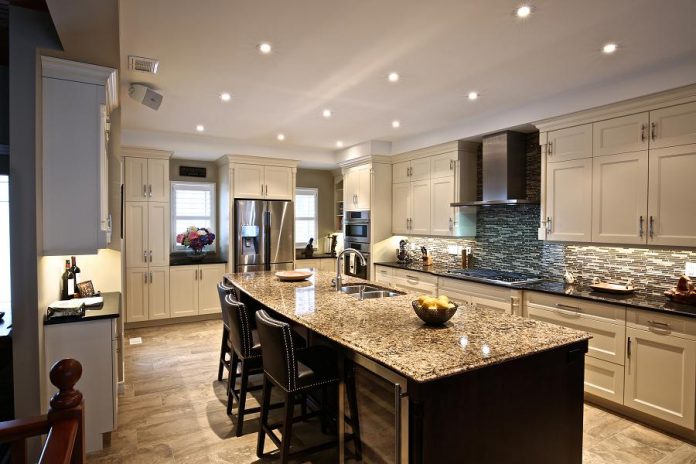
{"x": 64, "y": 423}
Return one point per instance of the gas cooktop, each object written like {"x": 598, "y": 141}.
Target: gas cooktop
{"x": 498, "y": 277}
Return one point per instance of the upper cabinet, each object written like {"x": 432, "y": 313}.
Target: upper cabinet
{"x": 254, "y": 179}
{"x": 76, "y": 101}
{"x": 357, "y": 188}
{"x": 621, "y": 135}
{"x": 569, "y": 200}
{"x": 146, "y": 179}
{"x": 673, "y": 126}
{"x": 569, "y": 144}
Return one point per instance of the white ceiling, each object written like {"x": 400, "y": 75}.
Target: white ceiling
{"x": 336, "y": 54}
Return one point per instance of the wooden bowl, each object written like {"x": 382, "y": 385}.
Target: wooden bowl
{"x": 293, "y": 276}
{"x": 434, "y": 316}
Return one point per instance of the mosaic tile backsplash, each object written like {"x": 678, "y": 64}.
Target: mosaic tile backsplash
{"x": 506, "y": 238}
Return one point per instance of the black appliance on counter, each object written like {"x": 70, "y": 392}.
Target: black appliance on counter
{"x": 356, "y": 226}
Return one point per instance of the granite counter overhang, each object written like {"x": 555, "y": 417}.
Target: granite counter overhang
{"x": 110, "y": 309}
{"x": 635, "y": 300}
{"x": 389, "y": 332}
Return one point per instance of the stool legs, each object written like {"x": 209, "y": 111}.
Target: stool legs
{"x": 265, "y": 403}
{"x": 287, "y": 427}
{"x": 223, "y": 352}
{"x": 241, "y": 401}
{"x": 353, "y": 406}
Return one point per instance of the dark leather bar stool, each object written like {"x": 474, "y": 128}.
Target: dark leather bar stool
{"x": 225, "y": 347}
{"x": 296, "y": 372}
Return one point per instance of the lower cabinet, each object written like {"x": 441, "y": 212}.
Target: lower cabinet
{"x": 147, "y": 294}
{"x": 413, "y": 281}
{"x": 323, "y": 264}
{"x": 193, "y": 289}
{"x": 503, "y": 300}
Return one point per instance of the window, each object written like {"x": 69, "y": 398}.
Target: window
{"x": 306, "y": 202}
{"x": 193, "y": 204}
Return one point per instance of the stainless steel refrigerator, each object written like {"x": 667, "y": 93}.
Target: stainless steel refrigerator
{"x": 264, "y": 235}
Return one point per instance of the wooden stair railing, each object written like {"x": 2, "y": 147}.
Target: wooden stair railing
{"x": 64, "y": 423}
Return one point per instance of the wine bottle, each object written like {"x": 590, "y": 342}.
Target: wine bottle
{"x": 75, "y": 270}
{"x": 68, "y": 282}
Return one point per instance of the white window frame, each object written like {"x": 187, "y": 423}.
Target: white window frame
{"x": 192, "y": 186}
{"x": 309, "y": 191}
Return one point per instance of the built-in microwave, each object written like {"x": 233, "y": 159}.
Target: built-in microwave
{"x": 357, "y": 226}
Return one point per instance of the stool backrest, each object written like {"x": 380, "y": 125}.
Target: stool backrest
{"x": 277, "y": 349}
{"x": 224, "y": 290}
{"x": 240, "y": 327}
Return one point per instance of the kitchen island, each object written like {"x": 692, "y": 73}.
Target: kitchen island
{"x": 487, "y": 387}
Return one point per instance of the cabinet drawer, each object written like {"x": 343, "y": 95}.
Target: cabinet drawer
{"x": 662, "y": 324}
{"x": 604, "y": 379}
{"x": 605, "y": 312}
{"x": 488, "y": 292}
{"x": 607, "y": 342}
{"x": 415, "y": 277}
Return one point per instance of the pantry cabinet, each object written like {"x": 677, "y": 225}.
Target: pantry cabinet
{"x": 146, "y": 179}
{"x": 147, "y": 234}
{"x": 569, "y": 200}
{"x": 147, "y": 294}
{"x": 357, "y": 188}
{"x": 620, "y": 198}
{"x": 193, "y": 289}
{"x": 264, "y": 181}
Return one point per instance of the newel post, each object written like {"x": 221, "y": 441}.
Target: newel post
{"x": 67, "y": 402}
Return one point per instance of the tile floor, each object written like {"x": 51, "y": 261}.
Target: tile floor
{"x": 173, "y": 411}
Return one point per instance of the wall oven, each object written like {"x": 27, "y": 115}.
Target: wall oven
{"x": 351, "y": 263}
{"x": 357, "y": 226}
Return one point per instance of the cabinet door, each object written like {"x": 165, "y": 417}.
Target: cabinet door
{"x": 364, "y": 187}
{"x": 401, "y": 194}
{"x": 420, "y": 169}
{"x": 350, "y": 190}
{"x": 420, "y": 207}
{"x": 136, "y": 233}
{"x": 183, "y": 294}
{"x": 441, "y": 213}
{"x": 135, "y": 183}
{"x": 620, "y": 135}
{"x": 278, "y": 181}
{"x": 661, "y": 376}
{"x": 248, "y": 181}
{"x": 604, "y": 379}
{"x": 673, "y": 126}
{"x": 158, "y": 180}
{"x": 208, "y": 277}
{"x": 620, "y": 198}
{"x": 328, "y": 264}
{"x": 569, "y": 200}
{"x": 671, "y": 200}
{"x": 400, "y": 171}
{"x": 158, "y": 234}
{"x": 137, "y": 281}
{"x": 569, "y": 144}
{"x": 443, "y": 165}
{"x": 384, "y": 276}
{"x": 158, "y": 293}
{"x": 308, "y": 263}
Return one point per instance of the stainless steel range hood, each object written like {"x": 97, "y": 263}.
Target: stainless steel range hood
{"x": 504, "y": 171}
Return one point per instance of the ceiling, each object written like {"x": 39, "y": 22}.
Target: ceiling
{"x": 337, "y": 54}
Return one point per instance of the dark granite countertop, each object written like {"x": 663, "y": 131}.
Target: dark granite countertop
{"x": 315, "y": 256}
{"x": 635, "y": 300}
{"x": 111, "y": 308}
{"x": 186, "y": 260}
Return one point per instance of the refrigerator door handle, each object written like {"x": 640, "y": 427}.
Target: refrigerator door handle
{"x": 267, "y": 241}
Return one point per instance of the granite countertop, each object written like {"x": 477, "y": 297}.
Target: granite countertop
{"x": 635, "y": 300}
{"x": 186, "y": 260}
{"x": 110, "y": 309}
{"x": 315, "y": 256}
{"x": 388, "y": 331}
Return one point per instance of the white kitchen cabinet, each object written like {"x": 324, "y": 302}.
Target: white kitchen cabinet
{"x": 248, "y": 181}
{"x": 671, "y": 199}
{"x": 483, "y": 296}
{"x": 604, "y": 379}
{"x": 147, "y": 234}
{"x": 673, "y": 126}
{"x": 266, "y": 182}
{"x": 621, "y": 135}
{"x": 384, "y": 276}
{"x": 620, "y": 198}
{"x": 357, "y": 188}
{"x": 158, "y": 293}
{"x": 401, "y": 172}
{"x": 158, "y": 220}
{"x": 208, "y": 277}
{"x": 569, "y": 200}
{"x": 319, "y": 264}
{"x": 414, "y": 281}
{"x": 364, "y": 187}
{"x": 661, "y": 375}
{"x": 146, "y": 179}
{"x": 136, "y": 295}
{"x": 193, "y": 289}
{"x": 444, "y": 165}
{"x": 279, "y": 182}
{"x": 411, "y": 208}
{"x": 571, "y": 143}
{"x": 328, "y": 264}
{"x": 400, "y": 208}
{"x": 413, "y": 170}
{"x": 442, "y": 215}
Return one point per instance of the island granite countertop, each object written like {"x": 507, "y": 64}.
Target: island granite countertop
{"x": 388, "y": 331}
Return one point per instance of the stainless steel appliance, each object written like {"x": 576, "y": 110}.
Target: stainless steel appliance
{"x": 356, "y": 226}
{"x": 497, "y": 277}
{"x": 263, "y": 235}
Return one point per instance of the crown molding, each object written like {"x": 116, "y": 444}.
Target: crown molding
{"x": 142, "y": 152}
{"x": 58, "y": 68}
{"x": 262, "y": 160}
{"x": 367, "y": 159}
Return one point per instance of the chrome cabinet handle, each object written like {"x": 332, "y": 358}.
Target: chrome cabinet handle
{"x": 642, "y": 132}
{"x": 451, "y": 225}
{"x": 145, "y": 256}
{"x": 145, "y": 190}
{"x": 548, "y": 225}
{"x": 149, "y": 190}
{"x": 145, "y": 275}
{"x": 569, "y": 307}
{"x": 550, "y": 150}
{"x": 653, "y": 131}
{"x": 451, "y": 164}
{"x": 640, "y": 226}
{"x": 261, "y": 189}
{"x": 628, "y": 347}
{"x": 406, "y": 223}
{"x": 200, "y": 271}
{"x": 660, "y": 324}
{"x": 651, "y": 227}
{"x": 150, "y": 255}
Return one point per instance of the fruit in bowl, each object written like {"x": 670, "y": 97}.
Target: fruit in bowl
{"x": 434, "y": 310}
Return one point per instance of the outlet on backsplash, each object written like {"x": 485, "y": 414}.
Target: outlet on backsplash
{"x": 690, "y": 269}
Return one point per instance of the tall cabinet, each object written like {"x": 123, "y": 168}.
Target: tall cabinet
{"x": 146, "y": 226}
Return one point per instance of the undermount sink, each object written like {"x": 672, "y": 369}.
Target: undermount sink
{"x": 357, "y": 288}
{"x": 366, "y": 292}
{"x": 378, "y": 294}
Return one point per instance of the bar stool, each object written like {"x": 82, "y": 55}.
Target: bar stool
{"x": 225, "y": 347}
{"x": 296, "y": 372}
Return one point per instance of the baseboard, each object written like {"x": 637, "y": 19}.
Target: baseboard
{"x": 176, "y": 320}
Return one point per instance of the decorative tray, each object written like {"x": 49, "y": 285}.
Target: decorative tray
{"x": 613, "y": 288}
{"x": 293, "y": 276}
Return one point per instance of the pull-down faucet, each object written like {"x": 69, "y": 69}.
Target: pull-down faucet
{"x": 339, "y": 278}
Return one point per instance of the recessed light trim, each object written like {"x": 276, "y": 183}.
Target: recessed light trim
{"x": 396, "y": 124}
{"x": 523, "y": 11}
{"x": 609, "y": 48}
{"x": 327, "y": 113}
{"x": 200, "y": 128}
{"x": 393, "y": 76}
{"x": 225, "y": 96}
{"x": 473, "y": 95}
{"x": 265, "y": 48}
{"x": 280, "y": 137}
{"x": 339, "y": 144}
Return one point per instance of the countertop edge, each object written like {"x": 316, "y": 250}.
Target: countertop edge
{"x": 109, "y": 310}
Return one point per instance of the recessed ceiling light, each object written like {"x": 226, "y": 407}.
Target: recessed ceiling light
{"x": 200, "y": 127}
{"x": 609, "y": 48}
{"x": 327, "y": 113}
{"x": 393, "y": 77}
{"x": 225, "y": 96}
{"x": 265, "y": 48}
{"x": 339, "y": 144}
{"x": 396, "y": 124}
{"x": 523, "y": 11}
{"x": 473, "y": 95}
{"x": 280, "y": 137}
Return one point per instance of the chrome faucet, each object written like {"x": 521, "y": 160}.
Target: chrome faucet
{"x": 339, "y": 278}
